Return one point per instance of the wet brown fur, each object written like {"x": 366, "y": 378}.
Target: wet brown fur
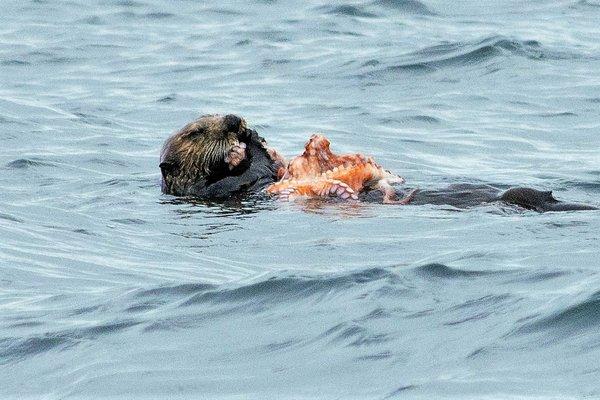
{"x": 197, "y": 152}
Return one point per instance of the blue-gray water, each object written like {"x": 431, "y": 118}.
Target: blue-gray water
{"x": 110, "y": 289}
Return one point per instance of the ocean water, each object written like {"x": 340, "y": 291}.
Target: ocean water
{"x": 110, "y": 289}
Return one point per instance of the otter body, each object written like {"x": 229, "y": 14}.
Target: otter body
{"x": 216, "y": 156}
{"x": 471, "y": 195}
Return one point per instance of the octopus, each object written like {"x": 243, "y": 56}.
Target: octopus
{"x": 318, "y": 172}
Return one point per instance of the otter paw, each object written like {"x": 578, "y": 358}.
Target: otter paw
{"x": 236, "y": 155}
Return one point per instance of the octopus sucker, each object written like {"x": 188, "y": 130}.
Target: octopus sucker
{"x": 318, "y": 172}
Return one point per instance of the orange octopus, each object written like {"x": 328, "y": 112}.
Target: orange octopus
{"x": 318, "y": 172}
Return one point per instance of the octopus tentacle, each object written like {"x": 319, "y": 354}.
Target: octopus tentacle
{"x": 322, "y": 187}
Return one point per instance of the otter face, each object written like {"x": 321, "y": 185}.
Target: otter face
{"x": 202, "y": 152}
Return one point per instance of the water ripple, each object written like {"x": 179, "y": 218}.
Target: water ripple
{"x": 347, "y": 10}
{"x": 464, "y": 54}
{"x": 406, "y": 6}
{"x": 572, "y": 320}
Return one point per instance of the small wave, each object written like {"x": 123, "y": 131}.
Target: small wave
{"x": 573, "y": 319}
{"x": 91, "y": 119}
{"x": 540, "y": 276}
{"x": 469, "y": 318}
{"x": 343, "y": 33}
{"x": 273, "y": 62}
{"x": 436, "y": 270}
{"x": 428, "y": 119}
{"x": 375, "y": 357}
{"x": 145, "y": 306}
{"x": 129, "y": 221}
{"x": 11, "y": 218}
{"x": 103, "y": 329}
{"x": 347, "y": 10}
{"x": 167, "y": 99}
{"x": 375, "y": 314}
{"x": 400, "y": 391}
{"x": 585, "y": 186}
{"x": 86, "y": 310}
{"x": 94, "y": 20}
{"x": 15, "y": 349}
{"x": 158, "y": 15}
{"x": 215, "y": 302}
{"x": 273, "y": 35}
{"x": 142, "y": 15}
{"x": 24, "y": 163}
{"x": 405, "y": 6}
{"x": 354, "y": 335}
{"x": 129, "y": 3}
{"x": 179, "y": 290}
{"x": 278, "y": 346}
{"x": 287, "y": 288}
{"x": 586, "y": 4}
{"x": 15, "y": 63}
{"x": 61, "y": 60}
{"x": 461, "y": 54}
{"x": 486, "y": 302}
{"x": 556, "y": 114}
{"x": 223, "y": 11}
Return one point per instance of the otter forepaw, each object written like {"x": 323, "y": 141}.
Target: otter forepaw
{"x": 236, "y": 155}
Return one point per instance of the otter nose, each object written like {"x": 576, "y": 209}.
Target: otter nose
{"x": 232, "y": 123}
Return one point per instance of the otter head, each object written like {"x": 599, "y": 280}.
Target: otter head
{"x": 197, "y": 154}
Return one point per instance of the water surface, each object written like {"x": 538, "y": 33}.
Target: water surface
{"x": 110, "y": 289}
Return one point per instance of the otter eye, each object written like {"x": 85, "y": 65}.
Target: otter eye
{"x": 198, "y": 131}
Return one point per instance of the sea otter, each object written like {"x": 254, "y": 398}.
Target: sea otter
{"x": 216, "y": 157}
